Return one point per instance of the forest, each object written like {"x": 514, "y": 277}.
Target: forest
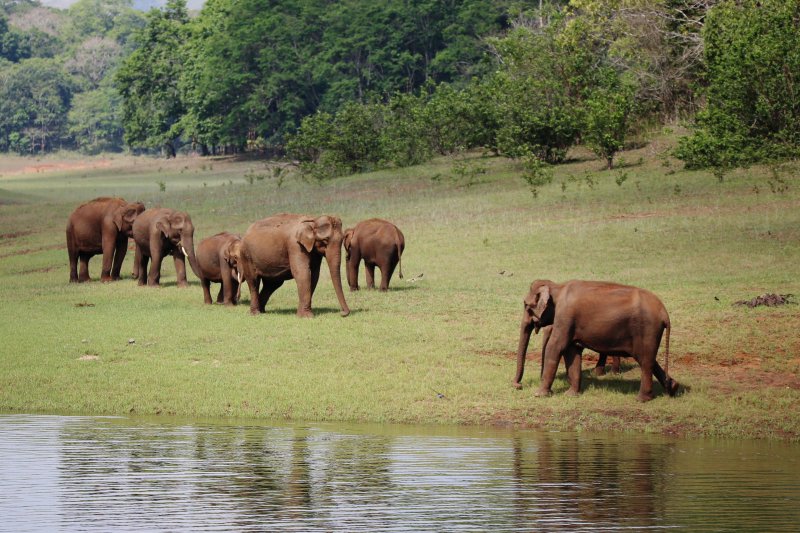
{"x": 355, "y": 85}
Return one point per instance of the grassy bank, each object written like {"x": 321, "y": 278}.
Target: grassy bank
{"x": 439, "y": 347}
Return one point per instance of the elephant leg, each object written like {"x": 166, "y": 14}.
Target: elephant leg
{"x": 302, "y": 276}
{"x": 387, "y": 269}
{"x": 556, "y": 345}
{"x": 221, "y": 293}
{"x": 316, "y": 263}
{"x": 670, "y": 385}
{"x": 73, "y": 262}
{"x": 646, "y": 387}
{"x": 615, "y": 369}
{"x": 600, "y": 369}
{"x": 83, "y": 275}
{"x": 545, "y": 337}
{"x": 572, "y": 359}
{"x": 252, "y": 284}
{"x": 268, "y": 287}
{"x": 119, "y": 256}
{"x": 206, "y": 284}
{"x": 136, "y": 261}
{"x": 180, "y": 267}
{"x": 353, "y": 262}
{"x": 154, "y": 275}
{"x": 142, "y": 261}
{"x": 369, "y": 268}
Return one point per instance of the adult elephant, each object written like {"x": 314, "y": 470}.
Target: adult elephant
{"x": 159, "y": 232}
{"x": 600, "y": 367}
{"x": 289, "y": 246}
{"x": 100, "y": 226}
{"x": 608, "y": 318}
{"x": 217, "y": 261}
{"x": 378, "y": 243}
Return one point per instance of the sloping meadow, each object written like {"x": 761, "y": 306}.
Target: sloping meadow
{"x": 439, "y": 347}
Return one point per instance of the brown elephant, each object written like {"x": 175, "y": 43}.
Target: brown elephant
{"x": 100, "y": 226}
{"x": 608, "y": 318}
{"x": 217, "y": 261}
{"x": 289, "y": 246}
{"x": 159, "y": 232}
{"x": 379, "y": 243}
{"x": 600, "y": 367}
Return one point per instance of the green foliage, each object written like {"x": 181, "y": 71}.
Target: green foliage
{"x": 148, "y": 80}
{"x": 607, "y": 117}
{"x": 94, "y": 121}
{"x": 753, "y": 110}
{"x": 35, "y": 96}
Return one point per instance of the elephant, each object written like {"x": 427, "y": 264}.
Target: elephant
{"x": 599, "y": 369}
{"x": 608, "y": 318}
{"x": 158, "y": 232}
{"x": 287, "y": 246}
{"x": 217, "y": 261}
{"x": 379, "y": 243}
{"x": 100, "y": 226}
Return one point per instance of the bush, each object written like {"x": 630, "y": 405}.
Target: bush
{"x": 752, "y": 51}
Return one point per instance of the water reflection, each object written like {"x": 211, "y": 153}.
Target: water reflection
{"x": 104, "y": 474}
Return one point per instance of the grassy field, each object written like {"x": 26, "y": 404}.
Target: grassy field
{"x": 439, "y": 346}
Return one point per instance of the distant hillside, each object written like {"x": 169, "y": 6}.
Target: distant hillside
{"x": 141, "y": 5}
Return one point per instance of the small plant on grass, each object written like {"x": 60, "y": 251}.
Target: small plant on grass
{"x": 467, "y": 172}
{"x": 161, "y": 186}
{"x": 536, "y": 173}
{"x": 621, "y": 178}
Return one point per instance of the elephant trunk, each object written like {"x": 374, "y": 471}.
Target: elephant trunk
{"x": 522, "y": 349}
{"x": 187, "y": 246}
{"x": 334, "y": 258}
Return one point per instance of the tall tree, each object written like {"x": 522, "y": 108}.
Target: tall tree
{"x": 148, "y": 80}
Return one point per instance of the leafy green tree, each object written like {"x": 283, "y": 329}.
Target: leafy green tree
{"x": 752, "y": 51}
{"x": 34, "y": 99}
{"x": 148, "y": 80}
{"x": 94, "y": 121}
{"x": 607, "y": 116}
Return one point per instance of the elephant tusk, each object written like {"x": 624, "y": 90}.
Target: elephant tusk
{"x": 238, "y": 276}
{"x": 184, "y": 251}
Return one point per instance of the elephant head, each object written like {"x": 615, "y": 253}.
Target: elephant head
{"x": 125, "y": 215}
{"x": 178, "y": 229}
{"x": 232, "y": 254}
{"x": 538, "y": 312}
{"x": 323, "y": 235}
{"x": 348, "y": 241}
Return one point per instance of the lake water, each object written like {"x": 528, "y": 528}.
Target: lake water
{"x": 130, "y": 474}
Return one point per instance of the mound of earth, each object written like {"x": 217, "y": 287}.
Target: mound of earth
{"x": 770, "y": 300}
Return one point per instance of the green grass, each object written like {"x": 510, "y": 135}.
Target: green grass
{"x": 698, "y": 243}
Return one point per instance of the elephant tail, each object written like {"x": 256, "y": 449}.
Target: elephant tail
{"x": 399, "y": 244}
{"x": 667, "y": 328}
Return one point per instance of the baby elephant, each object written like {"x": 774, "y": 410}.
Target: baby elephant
{"x": 608, "y": 318}
{"x": 379, "y": 243}
{"x": 218, "y": 260}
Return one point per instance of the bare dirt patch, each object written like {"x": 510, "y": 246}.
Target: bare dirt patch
{"x": 14, "y": 234}
{"x": 62, "y": 165}
{"x": 769, "y": 300}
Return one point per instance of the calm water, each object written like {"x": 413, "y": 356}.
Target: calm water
{"x": 120, "y": 474}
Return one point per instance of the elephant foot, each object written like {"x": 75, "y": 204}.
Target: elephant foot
{"x": 644, "y": 397}
{"x": 599, "y": 371}
{"x": 572, "y": 393}
{"x": 255, "y": 312}
{"x": 354, "y": 289}
{"x": 672, "y": 387}
{"x": 517, "y": 385}
{"x": 183, "y": 284}
{"x": 305, "y": 314}
{"x": 542, "y": 393}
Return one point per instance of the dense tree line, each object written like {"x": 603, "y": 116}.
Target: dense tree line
{"x": 356, "y": 84}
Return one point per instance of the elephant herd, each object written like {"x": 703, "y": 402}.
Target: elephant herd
{"x": 611, "y": 319}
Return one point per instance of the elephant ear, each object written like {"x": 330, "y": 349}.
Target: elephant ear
{"x": 348, "y": 239}
{"x": 542, "y": 300}
{"x": 324, "y": 229}
{"x": 305, "y": 235}
{"x": 163, "y": 226}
